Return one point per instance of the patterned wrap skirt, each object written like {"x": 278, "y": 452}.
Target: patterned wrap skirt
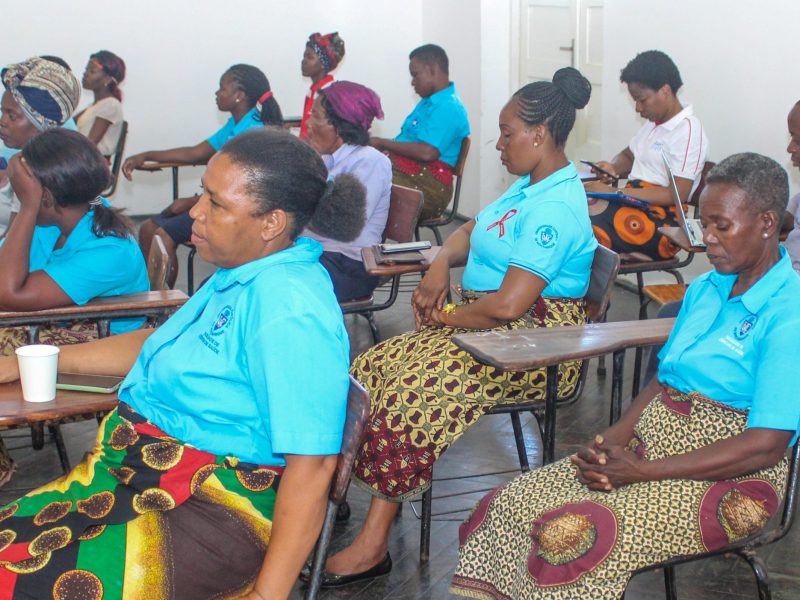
{"x": 426, "y": 392}
{"x": 12, "y": 338}
{"x": 545, "y": 535}
{"x": 625, "y": 229}
{"x": 143, "y": 516}
{"x": 434, "y": 180}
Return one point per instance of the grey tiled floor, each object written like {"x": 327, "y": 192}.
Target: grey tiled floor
{"x": 488, "y": 446}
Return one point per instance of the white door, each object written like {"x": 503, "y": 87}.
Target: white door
{"x": 566, "y": 33}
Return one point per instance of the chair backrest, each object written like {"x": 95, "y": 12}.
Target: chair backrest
{"x": 157, "y": 264}
{"x": 604, "y": 270}
{"x": 116, "y": 163}
{"x": 458, "y": 173}
{"x": 405, "y": 206}
{"x": 694, "y": 199}
{"x": 356, "y": 421}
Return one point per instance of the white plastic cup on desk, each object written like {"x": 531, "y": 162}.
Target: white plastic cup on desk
{"x": 38, "y": 368}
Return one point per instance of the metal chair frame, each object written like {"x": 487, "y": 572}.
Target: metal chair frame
{"x": 116, "y": 164}
{"x": 447, "y": 217}
{"x": 356, "y": 422}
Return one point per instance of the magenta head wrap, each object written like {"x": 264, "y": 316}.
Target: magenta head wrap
{"x": 353, "y": 102}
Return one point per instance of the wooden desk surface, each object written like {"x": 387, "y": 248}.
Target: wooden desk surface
{"x": 370, "y": 256}
{"x": 678, "y": 237}
{"x": 15, "y": 411}
{"x": 141, "y": 304}
{"x": 527, "y": 349}
{"x": 152, "y": 165}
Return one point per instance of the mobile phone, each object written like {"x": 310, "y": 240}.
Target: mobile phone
{"x": 102, "y": 384}
{"x": 600, "y": 170}
{"x": 405, "y": 247}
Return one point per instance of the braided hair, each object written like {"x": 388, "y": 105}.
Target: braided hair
{"x": 554, "y": 104}
{"x": 114, "y": 67}
{"x": 653, "y": 69}
{"x": 255, "y": 84}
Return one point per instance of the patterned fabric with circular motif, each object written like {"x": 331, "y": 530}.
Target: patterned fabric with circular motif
{"x": 545, "y": 535}
{"x": 122, "y": 509}
{"x": 626, "y": 229}
{"x": 426, "y": 392}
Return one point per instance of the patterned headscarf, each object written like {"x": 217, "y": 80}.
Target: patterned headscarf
{"x": 353, "y": 102}
{"x": 46, "y": 92}
{"x": 329, "y": 49}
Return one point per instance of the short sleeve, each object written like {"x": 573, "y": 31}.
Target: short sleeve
{"x": 101, "y": 268}
{"x": 545, "y": 239}
{"x": 688, "y": 149}
{"x": 110, "y": 110}
{"x": 218, "y": 139}
{"x": 774, "y": 403}
{"x": 442, "y": 128}
{"x": 686, "y": 309}
{"x": 298, "y": 364}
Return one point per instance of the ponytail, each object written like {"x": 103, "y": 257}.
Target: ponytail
{"x": 111, "y": 222}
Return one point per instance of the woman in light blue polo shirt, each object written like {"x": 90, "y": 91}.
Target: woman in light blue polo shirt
{"x": 232, "y": 411}
{"x": 245, "y": 93}
{"x": 698, "y": 460}
{"x": 64, "y": 247}
{"x": 528, "y": 256}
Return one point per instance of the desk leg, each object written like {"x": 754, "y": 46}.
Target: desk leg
{"x": 616, "y": 386}
{"x": 551, "y": 399}
{"x": 103, "y": 327}
{"x": 174, "y": 183}
{"x": 37, "y": 435}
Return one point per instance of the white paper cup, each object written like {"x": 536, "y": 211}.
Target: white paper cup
{"x": 38, "y": 368}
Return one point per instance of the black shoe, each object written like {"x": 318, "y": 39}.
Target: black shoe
{"x": 343, "y": 512}
{"x": 330, "y": 580}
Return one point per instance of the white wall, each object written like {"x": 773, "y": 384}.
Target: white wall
{"x": 176, "y": 50}
{"x": 737, "y": 61}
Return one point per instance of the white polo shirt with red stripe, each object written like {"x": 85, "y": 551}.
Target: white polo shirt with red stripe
{"x": 684, "y": 141}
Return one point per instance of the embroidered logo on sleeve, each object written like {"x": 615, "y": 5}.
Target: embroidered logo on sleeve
{"x": 546, "y": 236}
{"x": 501, "y": 223}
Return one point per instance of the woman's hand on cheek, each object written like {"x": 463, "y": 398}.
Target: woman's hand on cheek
{"x": 9, "y": 369}
{"x": 26, "y": 187}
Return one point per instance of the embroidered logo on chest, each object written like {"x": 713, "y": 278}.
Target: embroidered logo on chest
{"x": 501, "y": 228}
{"x": 745, "y": 326}
{"x": 546, "y": 236}
{"x": 223, "y": 320}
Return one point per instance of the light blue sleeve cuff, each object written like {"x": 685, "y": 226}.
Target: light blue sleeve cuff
{"x": 294, "y": 442}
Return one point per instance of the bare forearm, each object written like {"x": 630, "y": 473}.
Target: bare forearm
{"x": 623, "y": 162}
{"x": 745, "y": 453}
{"x": 114, "y": 355}
{"x": 15, "y": 256}
{"x": 186, "y": 155}
{"x": 419, "y": 151}
{"x": 299, "y": 512}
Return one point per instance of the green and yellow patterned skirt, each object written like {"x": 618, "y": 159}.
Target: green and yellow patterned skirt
{"x": 545, "y": 535}
{"x": 426, "y": 392}
{"x": 143, "y": 516}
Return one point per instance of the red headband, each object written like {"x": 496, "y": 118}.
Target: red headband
{"x": 265, "y": 96}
